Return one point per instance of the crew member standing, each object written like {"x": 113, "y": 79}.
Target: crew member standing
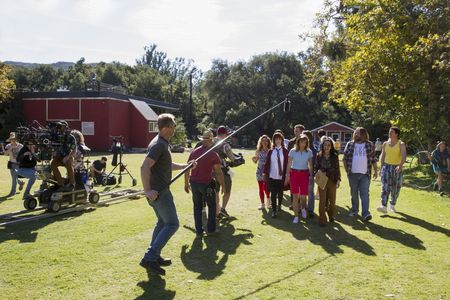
{"x": 202, "y": 185}
{"x": 12, "y": 149}
{"x": 156, "y": 174}
{"x": 225, "y": 152}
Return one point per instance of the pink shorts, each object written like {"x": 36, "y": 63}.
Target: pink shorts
{"x": 299, "y": 182}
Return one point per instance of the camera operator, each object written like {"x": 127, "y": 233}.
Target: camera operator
{"x": 225, "y": 152}
{"x": 98, "y": 169}
{"x": 12, "y": 149}
{"x": 27, "y": 162}
{"x": 64, "y": 156}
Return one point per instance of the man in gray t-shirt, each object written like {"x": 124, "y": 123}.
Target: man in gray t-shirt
{"x": 156, "y": 174}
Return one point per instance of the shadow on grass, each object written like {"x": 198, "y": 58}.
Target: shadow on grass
{"x": 27, "y": 232}
{"x": 268, "y": 285}
{"x": 208, "y": 256}
{"x": 418, "y": 222}
{"x": 155, "y": 288}
{"x": 330, "y": 238}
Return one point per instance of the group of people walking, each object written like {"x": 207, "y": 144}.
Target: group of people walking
{"x": 298, "y": 165}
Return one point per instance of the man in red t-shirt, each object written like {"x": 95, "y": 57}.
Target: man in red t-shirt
{"x": 201, "y": 182}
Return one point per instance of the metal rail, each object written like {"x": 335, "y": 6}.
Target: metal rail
{"x": 75, "y": 208}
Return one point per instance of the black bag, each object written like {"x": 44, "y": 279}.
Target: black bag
{"x": 111, "y": 180}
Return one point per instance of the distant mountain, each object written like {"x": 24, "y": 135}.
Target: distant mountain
{"x": 60, "y": 64}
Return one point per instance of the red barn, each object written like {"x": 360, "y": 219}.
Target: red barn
{"x": 99, "y": 115}
{"x": 337, "y": 132}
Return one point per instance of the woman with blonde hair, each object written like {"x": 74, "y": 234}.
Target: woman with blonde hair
{"x": 262, "y": 149}
{"x": 299, "y": 167}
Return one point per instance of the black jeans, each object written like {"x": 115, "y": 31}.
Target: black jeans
{"x": 202, "y": 193}
{"x": 276, "y": 191}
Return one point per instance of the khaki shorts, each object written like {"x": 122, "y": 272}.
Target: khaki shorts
{"x": 227, "y": 179}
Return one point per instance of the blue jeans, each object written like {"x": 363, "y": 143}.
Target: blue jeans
{"x": 13, "y": 172}
{"x": 359, "y": 184}
{"x": 204, "y": 193}
{"x": 29, "y": 173}
{"x": 166, "y": 225}
{"x": 311, "y": 193}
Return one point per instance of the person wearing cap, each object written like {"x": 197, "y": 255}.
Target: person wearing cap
{"x": 64, "y": 156}
{"x": 12, "y": 149}
{"x": 225, "y": 152}
{"x": 201, "y": 183}
{"x": 27, "y": 161}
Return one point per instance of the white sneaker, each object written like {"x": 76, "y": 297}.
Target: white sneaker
{"x": 295, "y": 220}
{"x": 382, "y": 209}
{"x": 392, "y": 208}
{"x": 303, "y": 213}
{"x": 352, "y": 214}
{"x": 261, "y": 206}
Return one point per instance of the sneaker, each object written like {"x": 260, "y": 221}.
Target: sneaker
{"x": 382, "y": 209}
{"x": 392, "y": 208}
{"x": 268, "y": 204}
{"x": 261, "y": 206}
{"x": 352, "y": 214}
{"x": 153, "y": 267}
{"x": 295, "y": 220}
{"x": 303, "y": 213}
{"x": 274, "y": 214}
{"x": 21, "y": 184}
{"x": 165, "y": 262}
{"x": 368, "y": 218}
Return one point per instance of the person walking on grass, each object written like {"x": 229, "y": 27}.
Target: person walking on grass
{"x": 275, "y": 171}
{"x": 299, "y": 167}
{"x": 440, "y": 160}
{"x": 262, "y": 149}
{"x": 359, "y": 160}
{"x": 392, "y": 158}
{"x": 203, "y": 186}
{"x": 156, "y": 174}
{"x": 328, "y": 162}
{"x": 12, "y": 149}
{"x": 311, "y": 196}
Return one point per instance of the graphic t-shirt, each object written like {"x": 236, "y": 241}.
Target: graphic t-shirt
{"x": 359, "y": 163}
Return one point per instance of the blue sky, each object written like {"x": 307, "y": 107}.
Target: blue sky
{"x": 46, "y": 31}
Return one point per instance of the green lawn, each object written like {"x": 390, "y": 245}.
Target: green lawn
{"x": 95, "y": 254}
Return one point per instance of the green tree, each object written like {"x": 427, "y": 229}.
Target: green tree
{"x": 396, "y": 64}
{"x": 6, "y": 84}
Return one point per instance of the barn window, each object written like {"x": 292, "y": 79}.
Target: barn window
{"x": 152, "y": 127}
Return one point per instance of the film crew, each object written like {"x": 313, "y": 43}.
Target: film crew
{"x": 64, "y": 156}
{"x": 27, "y": 162}
{"x": 156, "y": 175}
{"x": 225, "y": 153}
{"x": 98, "y": 169}
{"x": 202, "y": 185}
{"x": 12, "y": 149}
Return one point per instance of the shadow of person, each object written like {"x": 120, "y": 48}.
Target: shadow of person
{"x": 330, "y": 238}
{"x": 419, "y": 222}
{"x": 208, "y": 256}
{"x": 155, "y": 288}
{"x": 28, "y": 232}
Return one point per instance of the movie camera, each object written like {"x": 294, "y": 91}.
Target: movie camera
{"x": 47, "y": 140}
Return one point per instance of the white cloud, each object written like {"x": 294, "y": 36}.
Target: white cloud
{"x": 106, "y": 30}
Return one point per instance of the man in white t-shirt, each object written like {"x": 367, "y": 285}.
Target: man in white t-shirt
{"x": 359, "y": 160}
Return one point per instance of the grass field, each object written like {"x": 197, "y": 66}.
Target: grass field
{"x": 95, "y": 254}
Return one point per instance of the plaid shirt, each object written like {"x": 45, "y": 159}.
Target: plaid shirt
{"x": 348, "y": 156}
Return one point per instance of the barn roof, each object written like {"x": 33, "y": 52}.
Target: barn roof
{"x": 334, "y": 123}
{"x": 144, "y": 110}
{"x": 97, "y": 94}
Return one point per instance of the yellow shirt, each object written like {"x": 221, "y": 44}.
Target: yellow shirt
{"x": 393, "y": 155}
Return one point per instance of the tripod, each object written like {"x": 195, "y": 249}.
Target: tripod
{"x": 117, "y": 150}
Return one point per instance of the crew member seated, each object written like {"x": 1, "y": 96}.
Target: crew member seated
{"x": 64, "y": 156}
{"x": 98, "y": 169}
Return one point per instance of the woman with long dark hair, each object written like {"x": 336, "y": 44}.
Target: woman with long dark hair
{"x": 328, "y": 162}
